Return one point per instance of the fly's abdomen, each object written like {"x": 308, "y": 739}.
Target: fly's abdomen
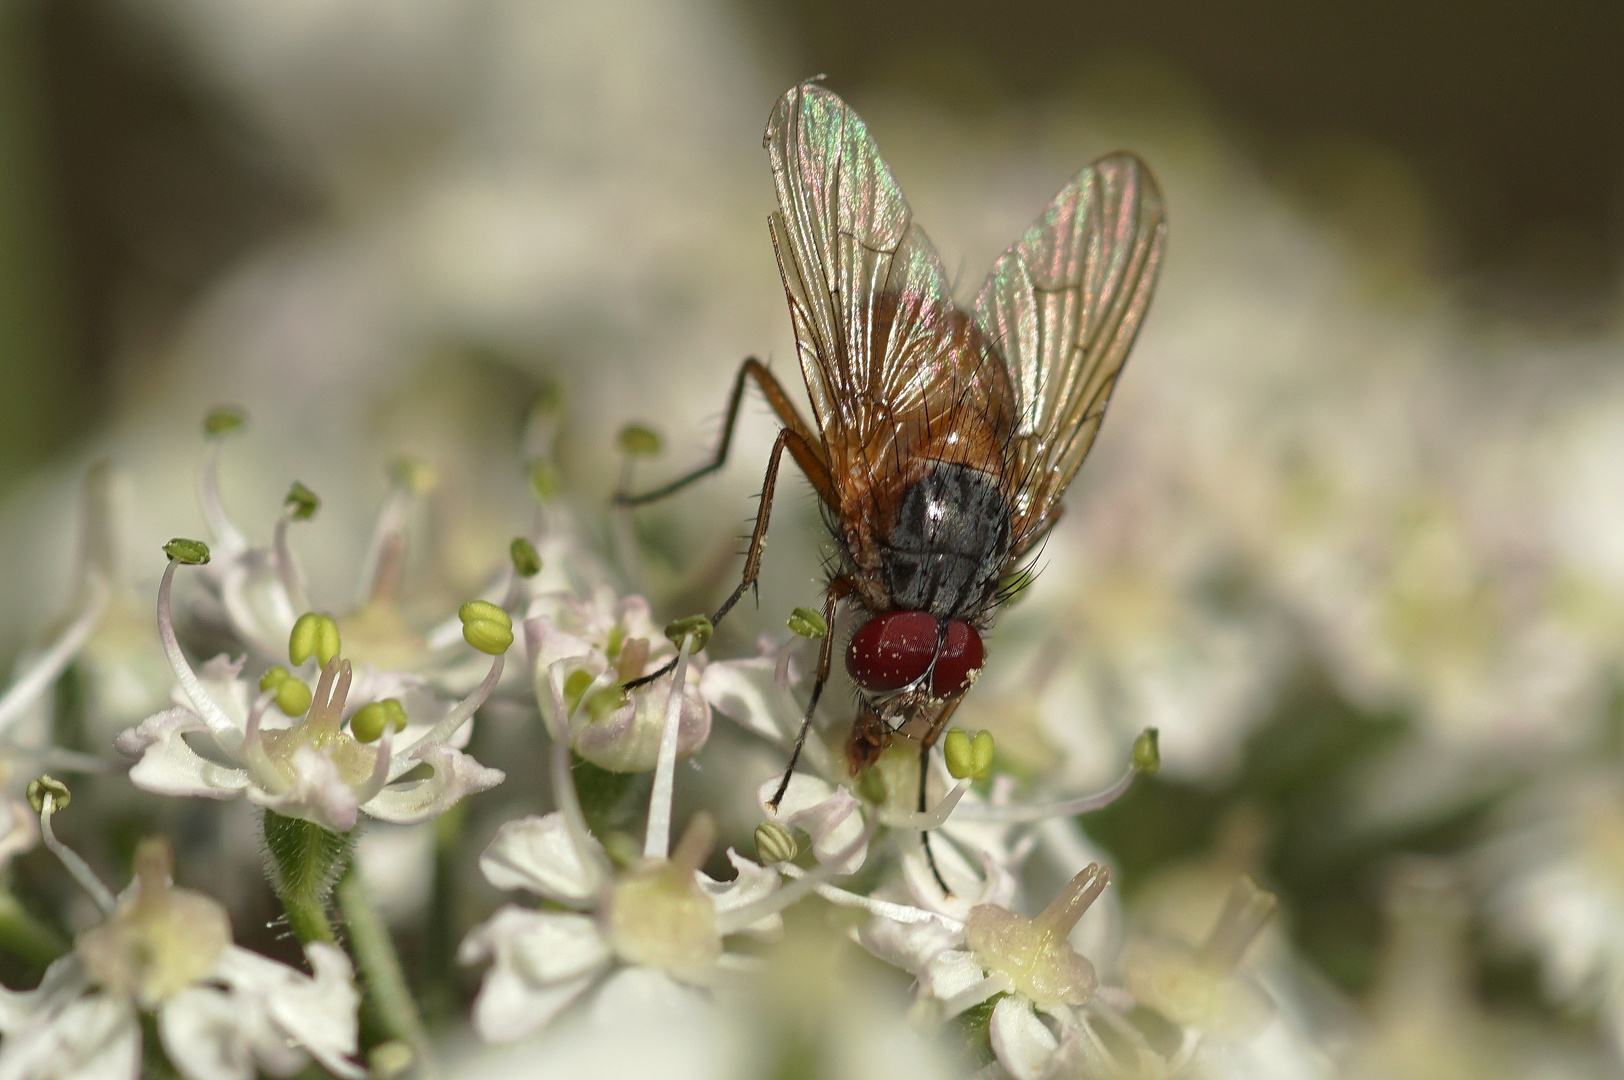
{"x": 946, "y": 548}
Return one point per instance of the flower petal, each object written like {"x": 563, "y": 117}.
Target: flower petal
{"x": 537, "y": 854}
{"x": 747, "y": 693}
{"x": 828, "y": 814}
{"x": 318, "y": 793}
{"x": 628, "y": 739}
{"x": 455, "y": 776}
{"x": 752, "y": 882}
{"x": 168, "y": 766}
{"x": 950, "y": 973}
{"x": 910, "y": 946}
{"x": 282, "y": 1014}
{"x": 97, "y": 1037}
{"x": 542, "y": 961}
{"x": 204, "y": 1038}
{"x": 1024, "y": 1045}
{"x": 636, "y": 995}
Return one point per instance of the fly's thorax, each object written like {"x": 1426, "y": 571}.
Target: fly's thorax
{"x": 947, "y": 540}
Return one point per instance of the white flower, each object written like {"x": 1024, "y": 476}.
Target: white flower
{"x": 574, "y": 642}
{"x": 259, "y": 592}
{"x": 223, "y": 1013}
{"x": 995, "y": 951}
{"x": 659, "y": 924}
{"x": 317, "y": 769}
{"x": 663, "y": 917}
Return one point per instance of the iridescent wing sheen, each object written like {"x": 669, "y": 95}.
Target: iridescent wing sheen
{"x": 1064, "y": 304}
{"x": 882, "y": 349}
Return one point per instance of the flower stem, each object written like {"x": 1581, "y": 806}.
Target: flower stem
{"x": 23, "y": 935}
{"x": 305, "y": 862}
{"x": 385, "y": 979}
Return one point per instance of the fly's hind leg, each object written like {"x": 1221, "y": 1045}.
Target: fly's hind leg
{"x": 782, "y": 407}
{"x": 796, "y": 436}
{"x": 805, "y": 456}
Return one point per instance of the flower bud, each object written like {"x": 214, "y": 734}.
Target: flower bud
{"x": 187, "y": 552}
{"x": 313, "y": 635}
{"x": 368, "y": 722}
{"x": 1147, "y": 754}
{"x": 808, "y": 623}
{"x": 775, "y": 843}
{"x": 637, "y": 440}
{"x": 300, "y": 502}
{"x": 967, "y": 755}
{"x": 526, "y": 560}
{"x": 225, "y": 419}
{"x": 697, "y": 627}
{"x": 41, "y": 786}
{"x": 486, "y": 627}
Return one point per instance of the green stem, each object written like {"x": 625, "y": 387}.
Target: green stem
{"x": 305, "y": 861}
{"x": 23, "y": 935}
{"x": 380, "y": 968}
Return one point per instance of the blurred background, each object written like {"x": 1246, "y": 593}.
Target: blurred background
{"x": 1352, "y": 537}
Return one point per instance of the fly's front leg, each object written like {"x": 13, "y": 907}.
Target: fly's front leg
{"x": 935, "y": 732}
{"x": 798, "y": 448}
{"x": 839, "y": 588}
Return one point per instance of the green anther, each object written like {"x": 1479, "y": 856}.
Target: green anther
{"x": 293, "y": 697}
{"x": 414, "y": 474}
{"x": 697, "y": 627}
{"x": 300, "y": 502}
{"x": 808, "y": 623}
{"x": 638, "y": 440}
{"x": 313, "y": 635}
{"x": 41, "y": 786}
{"x": 486, "y": 627}
{"x": 967, "y": 755}
{"x": 273, "y": 678}
{"x": 604, "y": 701}
{"x": 1147, "y": 754}
{"x": 526, "y": 560}
{"x": 187, "y": 552}
{"x": 225, "y": 419}
{"x": 543, "y": 479}
{"x": 368, "y": 722}
{"x": 775, "y": 843}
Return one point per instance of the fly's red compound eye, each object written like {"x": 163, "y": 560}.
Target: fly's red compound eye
{"x": 962, "y": 656}
{"x": 892, "y": 650}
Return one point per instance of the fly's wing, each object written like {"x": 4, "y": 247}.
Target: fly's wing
{"x": 1064, "y": 304}
{"x": 873, "y": 316}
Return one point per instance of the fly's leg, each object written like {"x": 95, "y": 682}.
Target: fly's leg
{"x": 838, "y": 588}
{"x": 810, "y": 459}
{"x": 925, "y": 744}
{"x": 797, "y": 447}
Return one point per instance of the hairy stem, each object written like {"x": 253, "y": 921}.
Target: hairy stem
{"x": 380, "y": 968}
{"x": 306, "y": 861}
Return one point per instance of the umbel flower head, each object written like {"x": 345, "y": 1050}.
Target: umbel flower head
{"x": 658, "y": 924}
{"x": 221, "y": 1012}
{"x": 328, "y": 757}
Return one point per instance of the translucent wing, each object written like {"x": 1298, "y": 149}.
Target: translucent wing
{"x": 884, "y": 354}
{"x": 1064, "y": 304}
